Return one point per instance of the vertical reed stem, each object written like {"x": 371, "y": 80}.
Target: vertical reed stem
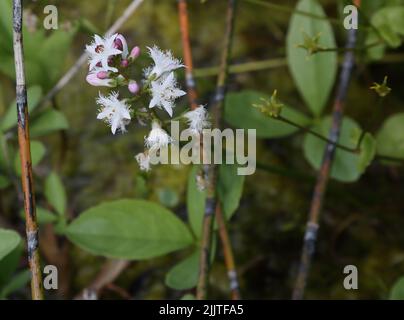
{"x": 25, "y": 155}
{"x": 310, "y": 237}
{"x": 210, "y": 173}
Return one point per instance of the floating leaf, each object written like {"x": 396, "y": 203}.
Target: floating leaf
{"x": 240, "y": 113}
{"x": 129, "y": 229}
{"x": 315, "y": 75}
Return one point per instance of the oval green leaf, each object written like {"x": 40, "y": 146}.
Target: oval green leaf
{"x": 390, "y": 138}
{"x": 55, "y": 193}
{"x": 314, "y": 75}
{"x": 240, "y": 113}
{"x": 9, "y": 240}
{"x": 48, "y": 122}
{"x": 129, "y": 229}
{"x": 347, "y": 166}
{"x": 184, "y": 275}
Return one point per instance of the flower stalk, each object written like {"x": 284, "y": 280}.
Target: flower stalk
{"x": 25, "y": 155}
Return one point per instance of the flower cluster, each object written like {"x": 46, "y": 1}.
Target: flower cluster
{"x": 110, "y": 65}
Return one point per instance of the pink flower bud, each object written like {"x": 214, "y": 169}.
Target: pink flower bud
{"x": 134, "y": 53}
{"x": 124, "y": 63}
{"x": 133, "y": 87}
{"x": 93, "y": 79}
{"x": 102, "y": 75}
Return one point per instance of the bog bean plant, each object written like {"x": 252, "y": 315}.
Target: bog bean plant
{"x": 141, "y": 87}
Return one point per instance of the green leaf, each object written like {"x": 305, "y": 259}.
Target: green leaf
{"x": 346, "y": 165}
{"x": 230, "y": 188}
{"x": 314, "y": 75}
{"x": 55, "y": 193}
{"x": 9, "y": 240}
{"x": 397, "y": 292}
{"x": 17, "y": 282}
{"x": 367, "y": 152}
{"x": 43, "y": 216}
{"x": 57, "y": 46}
{"x": 389, "y": 22}
{"x": 10, "y": 262}
{"x": 47, "y": 122}
{"x": 37, "y": 153}
{"x": 188, "y": 296}
{"x": 195, "y": 202}
{"x": 9, "y": 120}
{"x": 184, "y": 275}
{"x": 390, "y": 138}
{"x": 240, "y": 113}
{"x": 129, "y": 229}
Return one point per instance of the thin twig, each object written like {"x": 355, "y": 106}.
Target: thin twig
{"x": 310, "y": 236}
{"x": 83, "y": 58}
{"x": 192, "y": 94}
{"x": 109, "y": 272}
{"x": 212, "y": 205}
{"x": 25, "y": 156}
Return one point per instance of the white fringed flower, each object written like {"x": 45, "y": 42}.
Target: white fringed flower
{"x": 164, "y": 62}
{"x": 164, "y": 93}
{"x": 113, "y": 111}
{"x": 197, "y": 119}
{"x": 157, "y": 138}
{"x": 143, "y": 160}
{"x": 100, "y": 50}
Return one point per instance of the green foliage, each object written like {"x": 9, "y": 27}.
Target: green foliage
{"x": 9, "y": 240}
{"x": 37, "y": 153}
{"x": 397, "y": 292}
{"x": 367, "y": 152}
{"x": 129, "y": 229}
{"x": 17, "y": 282}
{"x": 229, "y": 188}
{"x": 390, "y": 138}
{"x": 240, "y": 113}
{"x": 184, "y": 275}
{"x": 195, "y": 202}
{"x": 9, "y": 263}
{"x": 47, "y": 122}
{"x": 9, "y": 120}
{"x": 347, "y": 166}
{"x": 315, "y": 75}
{"x": 389, "y": 22}
{"x": 55, "y": 193}
{"x": 43, "y": 216}
{"x": 38, "y": 48}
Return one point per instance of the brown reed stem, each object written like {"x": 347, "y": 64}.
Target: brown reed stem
{"x": 25, "y": 155}
{"x": 310, "y": 236}
{"x": 212, "y": 205}
{"x": 192, "y": 94}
